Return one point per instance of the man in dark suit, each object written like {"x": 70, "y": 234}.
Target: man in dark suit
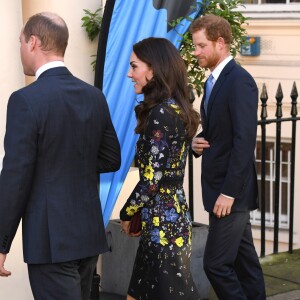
{"x": 229, "y": 182}
{"x": 59, "y": 137}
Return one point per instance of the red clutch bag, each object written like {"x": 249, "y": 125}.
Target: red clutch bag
{"x": 136, "y": 223}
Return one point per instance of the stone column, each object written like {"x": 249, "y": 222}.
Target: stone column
{"x": 11, "y": 79}
{"x": 80, "y": 49}
{"x": 11, "y": 75}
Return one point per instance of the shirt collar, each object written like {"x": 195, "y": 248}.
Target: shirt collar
{"x": 47, "y": 66}
{"x": 217, "y": 71}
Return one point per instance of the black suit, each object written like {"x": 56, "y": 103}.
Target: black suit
{"x": 228, "y": 167}
{"x": 59, "y": 137}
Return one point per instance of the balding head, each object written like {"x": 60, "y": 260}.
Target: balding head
{"x": 50, "y": 29}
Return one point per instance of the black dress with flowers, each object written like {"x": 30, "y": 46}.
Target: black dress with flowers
{"x": 162, "y": 266}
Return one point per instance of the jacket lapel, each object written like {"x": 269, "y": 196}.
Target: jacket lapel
{"x": 218, "y": 85}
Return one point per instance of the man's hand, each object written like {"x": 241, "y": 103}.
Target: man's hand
{"x": 223, "y": 206}
{"x": 3, "y": 272}
{"x": 199, "y": 144}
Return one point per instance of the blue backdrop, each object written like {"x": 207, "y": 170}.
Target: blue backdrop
{"x": 126, "y": 22}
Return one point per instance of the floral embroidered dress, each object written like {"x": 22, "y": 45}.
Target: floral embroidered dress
{"x": 162, "y": 265}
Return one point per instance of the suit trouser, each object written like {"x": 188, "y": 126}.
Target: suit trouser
{"x": 62, "y": 281}
{"x": 230, "y": 260}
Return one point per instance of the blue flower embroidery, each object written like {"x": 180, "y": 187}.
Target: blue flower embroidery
{"x": 144, "y": 213}
{"x": 155, "y": 237}
{"x": 171, "y": 215}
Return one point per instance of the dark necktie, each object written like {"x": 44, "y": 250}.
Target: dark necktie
{"x": 208, "y": 87}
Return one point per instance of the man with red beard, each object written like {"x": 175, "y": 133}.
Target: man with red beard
{"x": 228, "y": 176}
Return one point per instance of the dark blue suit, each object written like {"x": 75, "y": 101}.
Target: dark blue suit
{"x": 228, "y": 167}
{"x": 230, "y": 127}
{"x": 59, "y": 137}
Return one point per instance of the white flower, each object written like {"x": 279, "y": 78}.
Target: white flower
{"x": 154, "y": 150}
{"x": 158, "y": 175}
{"x": 144, "y": 198}
{"x": 132, "y": 202}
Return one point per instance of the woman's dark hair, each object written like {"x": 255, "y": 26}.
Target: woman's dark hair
{"x": 169, "y": 81}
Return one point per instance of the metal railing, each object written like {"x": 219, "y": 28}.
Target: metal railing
{"x": 263, "y": 122}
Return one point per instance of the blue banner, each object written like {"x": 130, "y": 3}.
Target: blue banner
{"x": 126, "y": 22}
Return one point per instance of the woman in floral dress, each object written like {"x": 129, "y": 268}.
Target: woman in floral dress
{"x": 166, "y": 122}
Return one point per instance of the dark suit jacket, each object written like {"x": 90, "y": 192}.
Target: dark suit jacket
{"x": 59, "y": 137}
{"x": 230, "y": 126}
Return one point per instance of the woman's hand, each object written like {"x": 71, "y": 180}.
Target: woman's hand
{"x": 136, "y": 234}
{"x": 125, "y": 226}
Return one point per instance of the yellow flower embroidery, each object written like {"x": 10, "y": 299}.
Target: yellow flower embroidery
{"x": 179, "y": 242}
{"x": 163, "y": 240}
{"x": 156, "y": 221}
{"x": 182, "y": 151}
{"x": 143, "y": 224}
{"x": 168, "y": 191}
{"x": 176, "y": 108}
{"x": 132, "y": 209}
{"x": 162, "y": 190}
{"x": 149, "y": 172}
{"x": 176, "y": 204}
{"x": 190, "y": 237}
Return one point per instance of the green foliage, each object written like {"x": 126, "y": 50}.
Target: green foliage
{"x": 225, "y": 9}
{"x": 92, "y": 23}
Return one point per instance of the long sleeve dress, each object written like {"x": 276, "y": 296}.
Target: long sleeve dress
{"x": 162, "y": 265}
